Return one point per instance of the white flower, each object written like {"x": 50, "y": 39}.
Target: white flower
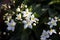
{"x": 45, "y": 34}
{"x": 27, "y": 23}
{"x": 18, "y": 17}
{"x": 18, "y": 9}
{"x": 52, "y": 31}
{"x": 26, "y": 13}
{"x": 33, "y": 19}
{"x": 11, "y": 25}
{"x": 8, "y": 19}
{"x": 52, "y": 23}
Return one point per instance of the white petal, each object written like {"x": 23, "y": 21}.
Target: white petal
{"x": 9, "y": 25}
{"x": 24, "y": 21}
{"x": 12, "y": 28}
{"x": 56, "y": 20}
{"x": 52, "y": 19}
{"x": 27, "y": 18}
{"x": 8, "y": 28}
{"x": 51, "y": 26}
{"x": 43, "y": 38}
{"x": 44, "y": 31}
{"x": 55, "y": 24}
{"x": 26, "y": 10}
{"x": 30, "y": 13}
{"x": 47, "y": 36}
{"x": 12, "y": 21}
{"x": 30, "y": 26}
{"x": 18, "y": 9}
{"x": 36, "y": 19}
{"x": 25, "y": 26}
{"x": 54, "y": 31}
{"x": 50, "y": 33}
{"x": 49, "y": 23}
{"x": 23, "y": 12}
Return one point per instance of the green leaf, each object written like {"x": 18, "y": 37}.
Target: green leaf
{"x": 53, "y": 2}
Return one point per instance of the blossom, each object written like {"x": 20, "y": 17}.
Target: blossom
{"x": 8, "y": 19}
{"x": 23, "y": 6}
{"x": 18, "y": 9}
{"x": 26, "y": 13}
{"x": 18, "y": 17}
{"x": 52, "y": 31}
{"x": 45, "y": 34}
{"x": 52, "y": 22}
{"x": 11, "y": 25}
{"x": 27, "y": 23}
{"x": 33, "y": 19}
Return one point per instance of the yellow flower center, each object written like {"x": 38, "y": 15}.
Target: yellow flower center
{"x": 12, "y": 25}
{"x": 53, "y": 22}
{"x": 51, "y": 30}
{"x": 32, "y": 18}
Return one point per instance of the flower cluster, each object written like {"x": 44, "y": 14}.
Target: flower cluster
{"x": 29, "y": 18}
{"x": 46, "y": 34}
{"x": 25, "y": 16}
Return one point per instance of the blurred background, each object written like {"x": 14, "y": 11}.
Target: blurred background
{"x": 45, "y": 9}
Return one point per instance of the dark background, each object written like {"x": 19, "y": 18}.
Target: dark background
{"x": 30, "y": 34}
